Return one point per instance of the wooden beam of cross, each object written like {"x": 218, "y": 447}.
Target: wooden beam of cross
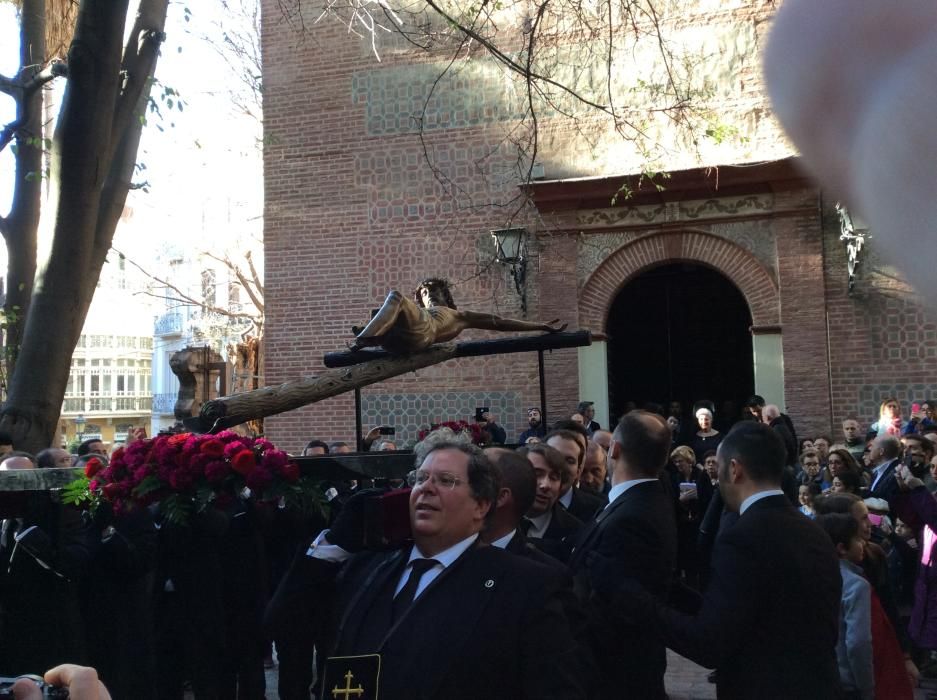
{"x": 228, "y": 411}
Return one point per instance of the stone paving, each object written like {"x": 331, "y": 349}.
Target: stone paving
{"x": 685, "y": 681}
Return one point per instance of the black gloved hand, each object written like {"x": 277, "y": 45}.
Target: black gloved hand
{"x": 347, "y": 531}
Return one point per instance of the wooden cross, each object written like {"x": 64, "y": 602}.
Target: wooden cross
{"x": 347, "y": 691}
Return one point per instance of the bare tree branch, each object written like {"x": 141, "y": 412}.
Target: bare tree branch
{"x": 244, "y": 282}
{"x": 186, "y": 298}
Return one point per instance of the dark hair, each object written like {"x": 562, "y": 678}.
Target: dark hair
{"x": 851, "y": 481}
{"x": 517, "y": 474}
{"x": 84, "y": 448}
{"x": 758, "y": 448}
{"x": 482, "y": 474}
{"x": 46, "y": 458}
{"x": 570, "y": 425}
{"x": 335, "y": 445}
{"x": 5, "y": 439}
{"x": 707, "y": 454}
{"x": 925, "y": 444}
{"x": 823, "y": 437}
{"x": 310, "y": 445}
{"x": 839, "y": 527}
{"x": 644, "y": 439}
{"x": 579, "y": 436}
{"x": 836, "y": 503}
{"x": 812, "y": 486}
{"x": 755, "y": 401}
{"x": 434, "y": 284}
{"x": 852, "y": 466}
{"x": 552, "y": 456}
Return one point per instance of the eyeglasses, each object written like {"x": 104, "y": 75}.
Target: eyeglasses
{"x": 443, "y": 480}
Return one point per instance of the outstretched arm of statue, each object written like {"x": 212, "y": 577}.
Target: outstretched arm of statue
{"x": 491, "y": 322}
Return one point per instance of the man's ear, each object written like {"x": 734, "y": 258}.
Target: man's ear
{"x": 841, "y": 550}
{"x": 736, "y": 471}
{"x": 614, "y": 449}
{"x": 505, "y": 497}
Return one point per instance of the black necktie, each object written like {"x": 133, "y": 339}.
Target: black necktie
{"x": 525, "y": 525}
{"x": 404, "y": 599}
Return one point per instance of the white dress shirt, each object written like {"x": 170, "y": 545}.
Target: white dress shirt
{"x": 757, "y": 497}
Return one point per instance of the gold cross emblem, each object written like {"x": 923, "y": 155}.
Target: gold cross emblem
{"x": 347, "y": 691}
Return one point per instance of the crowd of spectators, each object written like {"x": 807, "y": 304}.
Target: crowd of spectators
{"x": 185, "y": 605}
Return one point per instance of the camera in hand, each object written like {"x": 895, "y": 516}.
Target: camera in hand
{"x": 48, "y": 691}
{"x": 387, "y": 430}
{"x": 480, "y": 412}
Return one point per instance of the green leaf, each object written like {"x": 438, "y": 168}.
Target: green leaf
{"x": 77, "y": 491}
{"x": 148, "y": 485}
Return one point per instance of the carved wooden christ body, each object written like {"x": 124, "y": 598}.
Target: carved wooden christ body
{"x": 403, "y": 326}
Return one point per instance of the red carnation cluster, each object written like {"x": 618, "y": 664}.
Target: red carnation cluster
{"x": 196, "y": 469}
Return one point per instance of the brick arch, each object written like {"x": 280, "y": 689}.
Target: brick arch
{"x": 755, "y": 283}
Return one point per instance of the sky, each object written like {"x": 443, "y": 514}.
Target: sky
{"x": 202, "y": 164}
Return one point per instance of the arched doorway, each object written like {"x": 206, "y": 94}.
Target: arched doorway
{"x": 679, "y": 332}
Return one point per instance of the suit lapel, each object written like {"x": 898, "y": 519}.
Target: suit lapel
{"x": 591, "y": 531}
{"x": 357, "y": 609}
{"x": 432, "y": 648}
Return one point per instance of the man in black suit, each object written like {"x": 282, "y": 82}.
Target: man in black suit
{"x": 449, "y": 617}
{"x": 770, "y": 617}
{"x": 518, "y": 491}
{"x": 571, "y": 441}
{"x": 885, "y": 456}
{"x": 637, "y": 530}
{"x": 546, "y": 519}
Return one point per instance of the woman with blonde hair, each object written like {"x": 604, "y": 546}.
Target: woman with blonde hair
{"x": 692, "y": 490}
{"x": 889, "y": 421}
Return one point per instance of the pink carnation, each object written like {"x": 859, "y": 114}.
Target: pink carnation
{"x": 275, "y": 459}
{"x": 216, "y": 470}
{"x": 258, "y": 479}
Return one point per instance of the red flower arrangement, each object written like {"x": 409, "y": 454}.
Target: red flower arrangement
{"x": 474, "y": 430}
{"x": 185, "y": 473}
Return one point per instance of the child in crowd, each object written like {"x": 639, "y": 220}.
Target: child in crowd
{"x": 805, "y": 494}
{"x": 854, "y": 648}
{"x": 871, "y": 663}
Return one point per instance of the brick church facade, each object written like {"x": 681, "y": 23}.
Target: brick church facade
{"x": 725, "y": 278}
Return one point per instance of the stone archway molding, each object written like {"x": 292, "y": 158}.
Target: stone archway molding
{"x": 756, "y": 283}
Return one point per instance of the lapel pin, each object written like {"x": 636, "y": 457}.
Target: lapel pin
{"x": 489, "y": 584}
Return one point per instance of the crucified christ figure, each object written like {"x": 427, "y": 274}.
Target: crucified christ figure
{"x": 403, "y": 326}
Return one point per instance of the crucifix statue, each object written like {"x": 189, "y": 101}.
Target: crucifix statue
{"x": 403, "y": 326}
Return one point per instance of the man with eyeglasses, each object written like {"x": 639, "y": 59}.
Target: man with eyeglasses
{"x": 444, "y": 618}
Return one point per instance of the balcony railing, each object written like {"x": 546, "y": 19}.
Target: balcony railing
{"x": 168, "y": 324}
{"x": 107, "y": 404}
{"x": 164, "y": 403}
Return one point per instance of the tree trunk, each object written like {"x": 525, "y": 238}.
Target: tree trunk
{"x": 22, "y": 222}
{"x": 93, "y": 153}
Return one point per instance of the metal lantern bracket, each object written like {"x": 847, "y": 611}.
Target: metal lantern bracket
{"x": 511, "y": 249}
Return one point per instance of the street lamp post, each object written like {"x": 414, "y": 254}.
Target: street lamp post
{"x": 80, "y": 426}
